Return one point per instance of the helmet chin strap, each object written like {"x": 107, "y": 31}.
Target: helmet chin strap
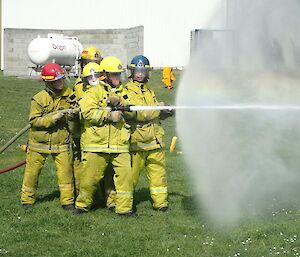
{"x": 108, "y": 81}
{"x": 57, "y": 92}
{"x": 143, "y": 81}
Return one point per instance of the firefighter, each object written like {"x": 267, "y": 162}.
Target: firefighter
{"x": 90, "y": 78}
{"x": 105, "y": 140}
{"x": 146, "y": 143}
{"x": 49, "y": 135}
{"x": 88, "y": 55}
{"x": 168, "y": 77}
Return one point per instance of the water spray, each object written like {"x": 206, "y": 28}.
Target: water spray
{"x": 213, "y": 107}
{"x": 237, "y": 118}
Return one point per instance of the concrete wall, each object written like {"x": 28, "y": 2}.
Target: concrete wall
{"x": 122, "y": 43}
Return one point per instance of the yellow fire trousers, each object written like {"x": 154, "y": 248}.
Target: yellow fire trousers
{"x": 108, "y": 181}
{"x": 94, "y": 167}
{"x": 34, "y": 164}
{"x": 154, "y": 162}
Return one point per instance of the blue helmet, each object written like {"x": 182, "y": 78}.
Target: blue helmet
{"x": 140, "y": 61}
{"x": 139, "y": 66}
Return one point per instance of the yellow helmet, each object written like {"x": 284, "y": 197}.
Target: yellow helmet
{"x": 91, "y": 73}
{"x": 90, "y": 69}
{"x": 111, "y": 64}
{"x": 91, "y": 54}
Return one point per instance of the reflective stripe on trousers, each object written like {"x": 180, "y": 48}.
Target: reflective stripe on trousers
{"x": 94, "y": 166}
{"x": 34, "y": 164}
{"x": 154, "y": 162}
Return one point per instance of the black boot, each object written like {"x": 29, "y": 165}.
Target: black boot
{"x": 163, "y": 209}
{"x": 27, "y": 207}
{"x": 129, "y": 214}
{"x": 78, "y": 212}
{"x": 68, "y": 207}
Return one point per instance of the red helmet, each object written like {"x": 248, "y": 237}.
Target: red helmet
{"x": 52, "y": 72}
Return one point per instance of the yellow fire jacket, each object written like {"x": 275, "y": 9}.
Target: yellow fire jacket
{"x": 146, "y": 131}
{"x": 46, "y": 135}
{"x": 99, "y": 134}
{"x": 79, "y": 90}
{"x": 168, "y": 76}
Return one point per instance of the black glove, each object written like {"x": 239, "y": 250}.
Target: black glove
{"x": 164, "y": 114}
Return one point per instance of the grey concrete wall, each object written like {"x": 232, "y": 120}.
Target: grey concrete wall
{"x": 122, "y": 43}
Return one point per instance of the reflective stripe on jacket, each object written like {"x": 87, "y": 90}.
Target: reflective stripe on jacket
{"x": 146, "y": 130}
{"x": 46, "y": 135}
{"x": 99, "y": 134}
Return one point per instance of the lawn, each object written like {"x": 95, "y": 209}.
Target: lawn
{"x": 47, "y": 230}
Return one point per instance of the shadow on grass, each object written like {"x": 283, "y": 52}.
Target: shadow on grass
{"x": 140, "y": 196}
{"x": 189, "y": 203}
{"x": 50, "y": 197}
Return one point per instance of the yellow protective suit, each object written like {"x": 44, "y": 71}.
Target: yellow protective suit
{"x": 168, "y": 77}
{"x": 146, "y": 143}
{"x": 48, "y": 137}
{"x": 78, "y": 91}
{"x": 107, "y": 189}
{"x": 104, "y": 142}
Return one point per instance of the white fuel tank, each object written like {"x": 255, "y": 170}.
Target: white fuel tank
{"x": 56, "y": 48}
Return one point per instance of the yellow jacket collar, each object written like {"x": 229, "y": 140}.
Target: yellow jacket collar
{"x": 140, "y": 86}
{"x": 65, "y": 92}
{"x": 112, "y": 89}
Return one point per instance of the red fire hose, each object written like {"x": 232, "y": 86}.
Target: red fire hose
{"x": 17, "y": 165}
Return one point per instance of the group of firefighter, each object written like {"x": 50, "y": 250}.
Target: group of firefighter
{"x": 99, "y": 140}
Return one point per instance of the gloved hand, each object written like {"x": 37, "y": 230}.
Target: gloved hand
{"x": 113, "y": 100}
{"x": 164, "y": 114}
{"x": 115, "y": 116}
{"x": 72, "y": 114}
{"x": 58, "y": 116}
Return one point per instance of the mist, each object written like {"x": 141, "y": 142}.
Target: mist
{"x": 244, "y": 162}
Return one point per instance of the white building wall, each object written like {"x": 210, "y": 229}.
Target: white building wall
{"x": 167, "y": 23}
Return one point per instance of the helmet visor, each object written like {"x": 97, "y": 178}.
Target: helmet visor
{"x": 114, "y": 78}
{"x": 56, "y": 85}
{"x": 140, "y": 73}
{"x": 92, "y": 79}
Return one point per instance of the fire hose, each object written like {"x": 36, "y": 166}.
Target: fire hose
{"x": 76, "y": 110}
{"x": 13, "y": 139}
{"x": 23, "y": 130}
{"x": 20, "y": 133}
{"x": 151, "y": 108}
{"x": 17, "y": 165}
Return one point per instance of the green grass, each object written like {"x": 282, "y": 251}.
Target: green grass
{"x": 47, "y": 230}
